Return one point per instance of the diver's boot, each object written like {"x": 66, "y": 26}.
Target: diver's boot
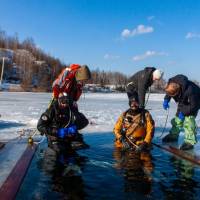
{"x": 174, "y": 132}
{"x": 186, "y": 146}
{"x": 170, "y": 138}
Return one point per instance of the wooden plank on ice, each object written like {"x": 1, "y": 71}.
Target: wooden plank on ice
{"x": 182, "y": 154}
{"x": 13, "y": 182}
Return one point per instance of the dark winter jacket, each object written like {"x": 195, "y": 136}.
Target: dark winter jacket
{"x": 189, "y": 97}
{"x": 139, "y": 84}
{"x": 54, "y": 118}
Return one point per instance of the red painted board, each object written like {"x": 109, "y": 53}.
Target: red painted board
{"x": 10, "y": 187}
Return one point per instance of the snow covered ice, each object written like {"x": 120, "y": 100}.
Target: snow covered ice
{"x": 21, "y": 110}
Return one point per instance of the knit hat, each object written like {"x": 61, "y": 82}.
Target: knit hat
{"x": 83, "y": 73}
{"x": 157, "y": 74}
{"x": 172, "y": 89}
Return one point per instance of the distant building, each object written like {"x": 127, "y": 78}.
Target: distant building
{"x": 98, "y": 88}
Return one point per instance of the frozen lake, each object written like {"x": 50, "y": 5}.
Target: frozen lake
{"x": 22, "y": 110}
{"x": 104, "y": 172}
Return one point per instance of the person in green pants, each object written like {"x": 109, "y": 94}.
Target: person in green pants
{"x": 187, "y": 95}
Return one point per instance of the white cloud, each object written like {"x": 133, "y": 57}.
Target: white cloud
{"x": 150, "y": 18}
{"x": 126, "y": 33}
{"x": 148, "y": 54}
{"x": 190, "y": 35}
{"x": 111, "y": 57}
{"x": 140, "y": 29}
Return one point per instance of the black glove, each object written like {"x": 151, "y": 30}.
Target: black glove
{"x": 125, "y": 144}
{"x": 141, "y": 147}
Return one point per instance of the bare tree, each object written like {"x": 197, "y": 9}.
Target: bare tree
{"x": 24, "y": 59}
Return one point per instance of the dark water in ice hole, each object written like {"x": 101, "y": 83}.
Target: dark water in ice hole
{"x": 103, "y": 172}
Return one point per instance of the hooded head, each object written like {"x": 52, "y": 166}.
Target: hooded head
{"x": 157, "y": 74}
{"x": 133, "y": 103}
{"x": 63, "y": 100}
{"x": 83, "y": 73}
{"x": 172, "y": 89}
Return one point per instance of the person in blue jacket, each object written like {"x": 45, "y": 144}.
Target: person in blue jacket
{"x": 187, "y": 95}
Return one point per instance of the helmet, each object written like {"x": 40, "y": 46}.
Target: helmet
{"x": 172, "y": 89}
{"x": 83, "y": 73}
{"x": 157, "y": 74}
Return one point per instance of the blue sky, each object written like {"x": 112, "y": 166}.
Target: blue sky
{"x": 117, "y": 35}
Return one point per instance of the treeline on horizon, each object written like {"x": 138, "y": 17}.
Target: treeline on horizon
{"x": 39, "y": 69}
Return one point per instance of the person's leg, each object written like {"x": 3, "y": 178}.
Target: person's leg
{"x": 78, "y": 142}
{"x": 177, "y": 124}
{"x": 190, "y": 129}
